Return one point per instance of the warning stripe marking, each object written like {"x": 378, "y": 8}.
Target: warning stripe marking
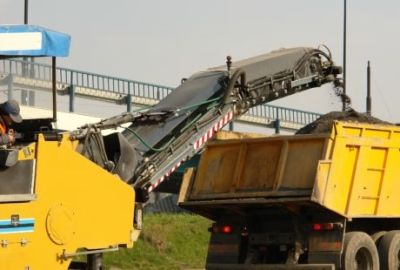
{"x": 210, "y": 133}
{"x": 202, "y": 140}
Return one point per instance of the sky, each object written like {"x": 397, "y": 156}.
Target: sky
{"x": 163, "y": 41}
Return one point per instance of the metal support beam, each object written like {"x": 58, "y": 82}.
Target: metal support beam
{"x": 230, "y": 126}
{"x": 369, "y": 102}
{"x": 129, "y": 103}
{"x": 31, "y": 98}
{"x": 277, "y": 122}
{"x": 24, "y": 97}
{"x": 53, "y": 80}
{"x": 25, "y": 66}
{"x": 72, "y": 98}
{"x": 277, "y": 126}
{"x": 26, "y": 12}
{"x": 344, "y": 52}
{"x": 10, "y": 86}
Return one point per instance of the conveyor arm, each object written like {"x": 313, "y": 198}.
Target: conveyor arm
{"x": 176, "y": 129}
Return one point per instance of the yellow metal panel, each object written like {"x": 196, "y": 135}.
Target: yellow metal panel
{"x": 389, "y": 202}
{"x": 364, "y": 169}
{"x": 302, "y": 162}
{"x": 354, "y": 131}
{"x": 216, "y": 169}
{"x": 78, "y": 205}
{"x": 395, "y": 135}
{"x": 340, "y": 176}
{"x": 230, "y": 135}
{"x": 376, "y": 133}
{"x": 260, "y": 169}
{"x": 186, "y": 184}
{"x": 321, "y": 181}
{"x": 364, "y": 193}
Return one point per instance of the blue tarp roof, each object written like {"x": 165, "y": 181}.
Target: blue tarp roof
{"x": 32, "y": 40}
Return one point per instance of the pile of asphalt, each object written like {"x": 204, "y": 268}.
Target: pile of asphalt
{"x": 324, "y": 123}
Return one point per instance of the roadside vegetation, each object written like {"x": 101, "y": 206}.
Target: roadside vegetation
{"x": 167, "y": 241}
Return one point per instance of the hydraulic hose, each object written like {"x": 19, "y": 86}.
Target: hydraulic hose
{"x": 239, "y": 73}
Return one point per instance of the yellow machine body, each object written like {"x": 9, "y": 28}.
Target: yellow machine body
{"x": 354, "y": 171}
{"x": 74, "y": 206}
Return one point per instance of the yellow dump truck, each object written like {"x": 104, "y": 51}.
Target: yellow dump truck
{"x": 303, "y": 201}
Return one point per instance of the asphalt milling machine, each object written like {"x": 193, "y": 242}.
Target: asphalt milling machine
{"x": 61, "y": 194}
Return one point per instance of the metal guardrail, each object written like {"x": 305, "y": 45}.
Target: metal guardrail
{"x": 283, "y": 114}
{"x": 84, "y": 79}
{"x": 130, "y": 89}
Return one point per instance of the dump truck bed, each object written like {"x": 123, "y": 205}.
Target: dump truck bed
{"x": 351, "y": 171}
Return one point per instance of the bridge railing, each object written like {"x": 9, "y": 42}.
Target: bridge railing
{"x": 131, "y": 89}
{"x": 83, "y": 79}
{"x": 283, "y": 114}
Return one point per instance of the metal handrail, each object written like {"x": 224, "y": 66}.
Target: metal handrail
{"x": 85, "y": 79}
{"x": 125, "y": 87}
{"x": 273, "y": 112}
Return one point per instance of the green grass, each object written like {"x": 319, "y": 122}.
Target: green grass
{"x": 167, "y": 241}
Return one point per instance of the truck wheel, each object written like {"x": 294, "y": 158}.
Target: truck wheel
{"x": 376, "y": 237}
{"x": 389, "y": 250}
{"x": 359, "y": 252}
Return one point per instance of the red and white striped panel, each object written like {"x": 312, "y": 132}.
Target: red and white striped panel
{"x": 170, "y": 171}
{"x": 210, "y": 133}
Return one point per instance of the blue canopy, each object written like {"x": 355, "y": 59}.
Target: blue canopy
{"x": 32, "y": 40}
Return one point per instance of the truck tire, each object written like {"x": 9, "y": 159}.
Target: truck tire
{"x": 376, "y": 237}
{"x": 389, "y": 250}
{"x": 359, "y": 252}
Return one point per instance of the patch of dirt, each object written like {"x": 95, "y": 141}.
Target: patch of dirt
{"x": 325, "y": 122}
